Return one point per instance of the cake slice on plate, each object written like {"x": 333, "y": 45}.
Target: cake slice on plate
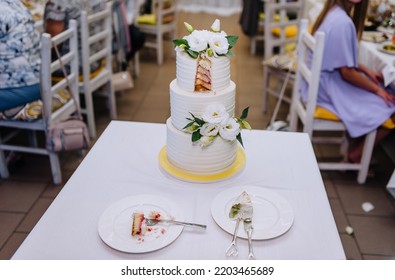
{"x": 137, "y": 224}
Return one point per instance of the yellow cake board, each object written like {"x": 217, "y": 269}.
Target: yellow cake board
{"x": 234, "y": 169}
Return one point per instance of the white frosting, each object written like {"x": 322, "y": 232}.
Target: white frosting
{"x": 186, "y": 72}
{"x": 182, "y": 103}
{"x": 182, "y": 153}
{"x": 192, "y": 158}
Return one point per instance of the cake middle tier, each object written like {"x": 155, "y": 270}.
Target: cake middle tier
{"x": 183, "y": 103}
{"x": 193, "y": 158}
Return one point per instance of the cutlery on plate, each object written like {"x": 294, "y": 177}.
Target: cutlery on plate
{"x": 247, "y": 221}
{"x": 152, "y": 222}
{"x": 236, "y": 212}
{"x": 233, "y": 251}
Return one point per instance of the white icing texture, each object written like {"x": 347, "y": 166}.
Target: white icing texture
{"x": 182, "y": 102}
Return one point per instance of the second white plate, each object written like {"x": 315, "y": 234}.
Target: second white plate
{"x": 273, "y": 215}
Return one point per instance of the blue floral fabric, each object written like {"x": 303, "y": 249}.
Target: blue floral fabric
{"x": 19, "y": 46}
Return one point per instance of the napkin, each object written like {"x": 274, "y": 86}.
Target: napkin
{"x": 388, "y": 74}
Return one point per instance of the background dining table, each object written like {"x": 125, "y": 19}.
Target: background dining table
{"x": 124, "y": 163}
{"x": 372, "y": 55}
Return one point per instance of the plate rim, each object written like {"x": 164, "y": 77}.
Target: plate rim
{"x": 250, "y": 189}
{"x": 149, "y": 199}
{"x": 381, "y": 48}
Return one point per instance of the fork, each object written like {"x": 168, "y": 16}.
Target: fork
{"x": 152, "y": 222}
{"x": 249, "y": 229}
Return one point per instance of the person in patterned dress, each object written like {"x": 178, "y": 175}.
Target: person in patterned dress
{"x": 19, "y": 56}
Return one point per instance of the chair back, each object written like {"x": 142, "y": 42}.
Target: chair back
{"x": 165, "y": 11}
{"x": 48, "y": 67}
{"x": 49, "y": 95}
{"x": 310, "y": 51}
{"x": 281, "y": 24}
{"x": 96, "y": 49}
{"x": 96, "y": 41}
{"x": 161, "y": 21}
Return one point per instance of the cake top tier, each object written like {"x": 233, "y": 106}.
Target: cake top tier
{"x": 211, "y": 43}
{"x": 203, "y": 59}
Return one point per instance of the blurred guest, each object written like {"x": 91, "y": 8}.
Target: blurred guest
{"x": 128, "y": 37}
{"x": 58, "y": 13}
{"x": 350, "y": 90}
{"x": 19, "y": 56}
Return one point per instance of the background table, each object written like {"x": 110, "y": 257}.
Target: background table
{"x": 124, "y": 162}
{"x": 370, "y": 56}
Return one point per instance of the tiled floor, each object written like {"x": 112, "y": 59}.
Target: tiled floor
{"x": 26, "y": 195}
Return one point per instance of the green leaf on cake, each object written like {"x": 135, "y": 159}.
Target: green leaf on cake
{"x": 232, "y": 40}
{"x": 196, "y": 136}
{"x": 245, "y": 125}
{"x": 244, "y": 114}
{"x": 180, "y": 42}
{"x": 192, "y": 53}
{"x": 238, "y": 137}
{"x": 189, "y": 124}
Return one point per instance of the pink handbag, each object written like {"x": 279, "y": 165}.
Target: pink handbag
{"x": 70, "y": 134}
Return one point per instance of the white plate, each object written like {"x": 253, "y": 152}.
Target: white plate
{"x": 115, "y": 224}
{"x": 273, "y": 216}
{"x": 381, "y": 48}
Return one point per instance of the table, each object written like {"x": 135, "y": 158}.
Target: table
{"x": 370, "y": 56}
{"x": 124, "y": 162}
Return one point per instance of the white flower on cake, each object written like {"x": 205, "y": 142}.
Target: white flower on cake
{"x": 198, "y": 40}
{"x": 209, "y": 129}
{"x": 216, "y": 114}
{"x": 230, "y": 130}
{"x": 215, "y": 121}
{"x": 213, "y": 42}
{"x": 218, "y": 43}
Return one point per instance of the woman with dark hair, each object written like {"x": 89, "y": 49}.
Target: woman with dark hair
{"x": 351, "y": 91}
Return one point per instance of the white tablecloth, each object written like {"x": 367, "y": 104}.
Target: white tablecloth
{"x": 375, "y": 59}
{"x": 124, "y": 162}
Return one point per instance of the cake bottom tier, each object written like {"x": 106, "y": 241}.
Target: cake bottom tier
{"x": 192, "y": 158}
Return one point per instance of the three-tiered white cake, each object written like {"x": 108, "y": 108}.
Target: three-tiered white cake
{"x": 202, "y": 132}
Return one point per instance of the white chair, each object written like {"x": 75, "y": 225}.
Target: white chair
{"x": 310, "y": 70}
{"x": 101, "y": 38}
{"x": 165, "y": 16}
{"x": 279, "y": 38}
{"x": 48, "y": 90}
